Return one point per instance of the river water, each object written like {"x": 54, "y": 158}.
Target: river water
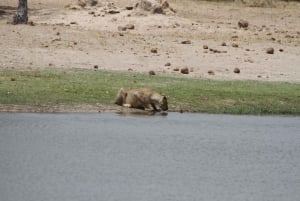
{"x": 178, "y": 157}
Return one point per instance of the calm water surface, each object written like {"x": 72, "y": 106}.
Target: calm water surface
{"x": 179, "y": 157}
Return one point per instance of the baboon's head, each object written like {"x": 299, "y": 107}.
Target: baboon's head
{"x": 121, "y": 97}
{"x": 163, "y": 103}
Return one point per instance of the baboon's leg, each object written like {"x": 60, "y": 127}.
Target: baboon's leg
{"x": 153, "y": 106}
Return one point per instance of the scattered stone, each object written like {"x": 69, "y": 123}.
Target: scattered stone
{"x": 91, "y": 12}
{"x": 31, "y": 23}
{"x": 112, "y": 12}
{"x": 205, "y": 47}
{"x": 122, "y": 28}
{"x": 249, "y": 60}
{"x": 214, "y": 50}
{"x": 184, "y": 70}
{"x": 129, "y": 26}
{"x": 223, "y": 44}
{"x": 243, "y": 24}
{"x": 87, "y": 2}
{"x": 151, "y": 72}
{"x": 2, "y": 12}
{"x": 236, "y": 70}
{"x": 211, "y": 72}
{"x": 13, "y": 79}
{"x": 154, "y": 50}
{"x": 73, "y": 22}
{"x": 270, "y": 50}
{"x": 55, "y": 40}
{"x": 186, "y": 42}
{"x": 130, "y": 69}
{"x": 235, "y": 45}
{"x": 129, "y": 7}
{"x": 95, "y": 66}
{"x": 168, "y": 64}
{"x": 176, "y": 69}
{"x": 158, "y": 10}
{"x": 281, "y": 50}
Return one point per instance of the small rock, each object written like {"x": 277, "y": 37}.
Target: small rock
{"x": 211, "y": 72}
{"x": 184, "y": 71}
{"x": 214, "y": 50}
{"x": 129, "y": 7}
{"x": 154, "y": 50}
{"x": 122, "y": 28}
{"x": 249, "y": 60}
{"x": 235, "y": 45}
{"x": 95, "y": 66}
{"x": 168, "y": 64}
{"x": 31, "y": 23}
{"x": 12, "y": 79}
{"x": 130, "y": 69}
{"x": 73, "y": 22}
{"x": 129, "y": 26}
{"x": 223, "y": 44}
{"x": 205, "y": 47}
{"x": 243, "y": 24}
{"x": 270, "y": 50}
{"x": 236, "y": 70}
{"x": 186, "y": 42}
{"x": 113, "y": 12}
{"x": 158, "y": 10}
{"x": 151, "y": 72}
{"x": 176, "y": 69}
{"x": 281, "y": 50}
{"x": 92, "y": 2}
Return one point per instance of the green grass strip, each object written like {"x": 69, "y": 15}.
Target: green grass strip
{"x": 50, "y": 87}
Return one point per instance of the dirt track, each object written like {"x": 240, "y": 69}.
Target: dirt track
{"x": 85, "y": 38}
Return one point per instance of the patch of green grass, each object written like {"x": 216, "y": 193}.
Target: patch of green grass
{"x": 50, "y": 87}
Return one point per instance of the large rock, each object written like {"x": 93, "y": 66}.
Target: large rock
{"x": 80, "y": 4}
{"x": 148, "y": 5}
{"x": 84, "y": 3}
{"x": 155, "y": 6}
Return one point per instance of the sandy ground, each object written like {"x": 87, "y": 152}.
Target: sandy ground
{"x": 85, "y": 38}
